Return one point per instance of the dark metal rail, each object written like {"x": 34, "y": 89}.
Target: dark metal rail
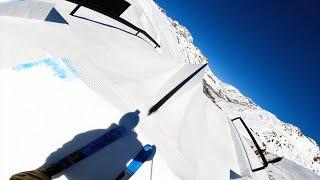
{"x": 164, "y": 99}
{"x": 265, "y": 163}
{"x": 104, "y": 11}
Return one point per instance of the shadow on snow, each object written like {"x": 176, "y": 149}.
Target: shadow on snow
{"x": 109, "y": 161}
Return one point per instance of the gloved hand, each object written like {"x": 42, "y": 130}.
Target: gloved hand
{"x": 30, "y": 175}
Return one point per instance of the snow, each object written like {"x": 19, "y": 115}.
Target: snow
{"x": 38, "y": 10}
{"x": 286, "y": 169}
{"x": 64, "y": 84}
{"x": 294, "y": 145}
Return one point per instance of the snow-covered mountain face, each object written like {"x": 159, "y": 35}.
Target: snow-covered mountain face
{"x": 277, "y": 136}
{"x": 78, "y": 77}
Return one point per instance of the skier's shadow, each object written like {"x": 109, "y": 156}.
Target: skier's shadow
{"x": 108, "y": 162}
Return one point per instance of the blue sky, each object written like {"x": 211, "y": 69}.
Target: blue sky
{"x": 269, "y": 50}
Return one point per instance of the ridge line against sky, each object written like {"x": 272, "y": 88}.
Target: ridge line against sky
{"x": 269, "y": 50}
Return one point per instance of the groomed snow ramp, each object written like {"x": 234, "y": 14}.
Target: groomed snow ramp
{"x": 65, "y": 84}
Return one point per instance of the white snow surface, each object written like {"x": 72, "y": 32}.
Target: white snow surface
{"x": 62, "y": 85}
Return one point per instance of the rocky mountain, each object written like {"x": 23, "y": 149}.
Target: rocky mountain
{"x": 278, "y": 137}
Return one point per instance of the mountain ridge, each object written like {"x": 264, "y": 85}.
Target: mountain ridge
{"x": 284, "y": 141}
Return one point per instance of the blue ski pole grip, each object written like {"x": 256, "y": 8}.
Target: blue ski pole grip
{"x": 140, "y": 159}
{"x": 147, "y": 147}
{"x": 145, "y": 154}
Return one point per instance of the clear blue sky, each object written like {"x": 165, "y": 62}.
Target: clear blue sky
{"x": 268, "y": 49}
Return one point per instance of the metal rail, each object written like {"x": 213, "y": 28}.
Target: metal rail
{"x": 96, "y": 7}
{"x": 164, "y": 99}
{"x": 265, "y": 163}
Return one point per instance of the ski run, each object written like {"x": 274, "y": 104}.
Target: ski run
{"x": 86, "y": 93}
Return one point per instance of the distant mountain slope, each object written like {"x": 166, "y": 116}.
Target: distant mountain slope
{"x": 279, "y": 137}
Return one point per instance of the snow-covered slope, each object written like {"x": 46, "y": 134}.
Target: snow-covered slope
{"x": 66, "y": 81}
{"x": 65, "y": 84}
{"x": 279, "y": 137}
